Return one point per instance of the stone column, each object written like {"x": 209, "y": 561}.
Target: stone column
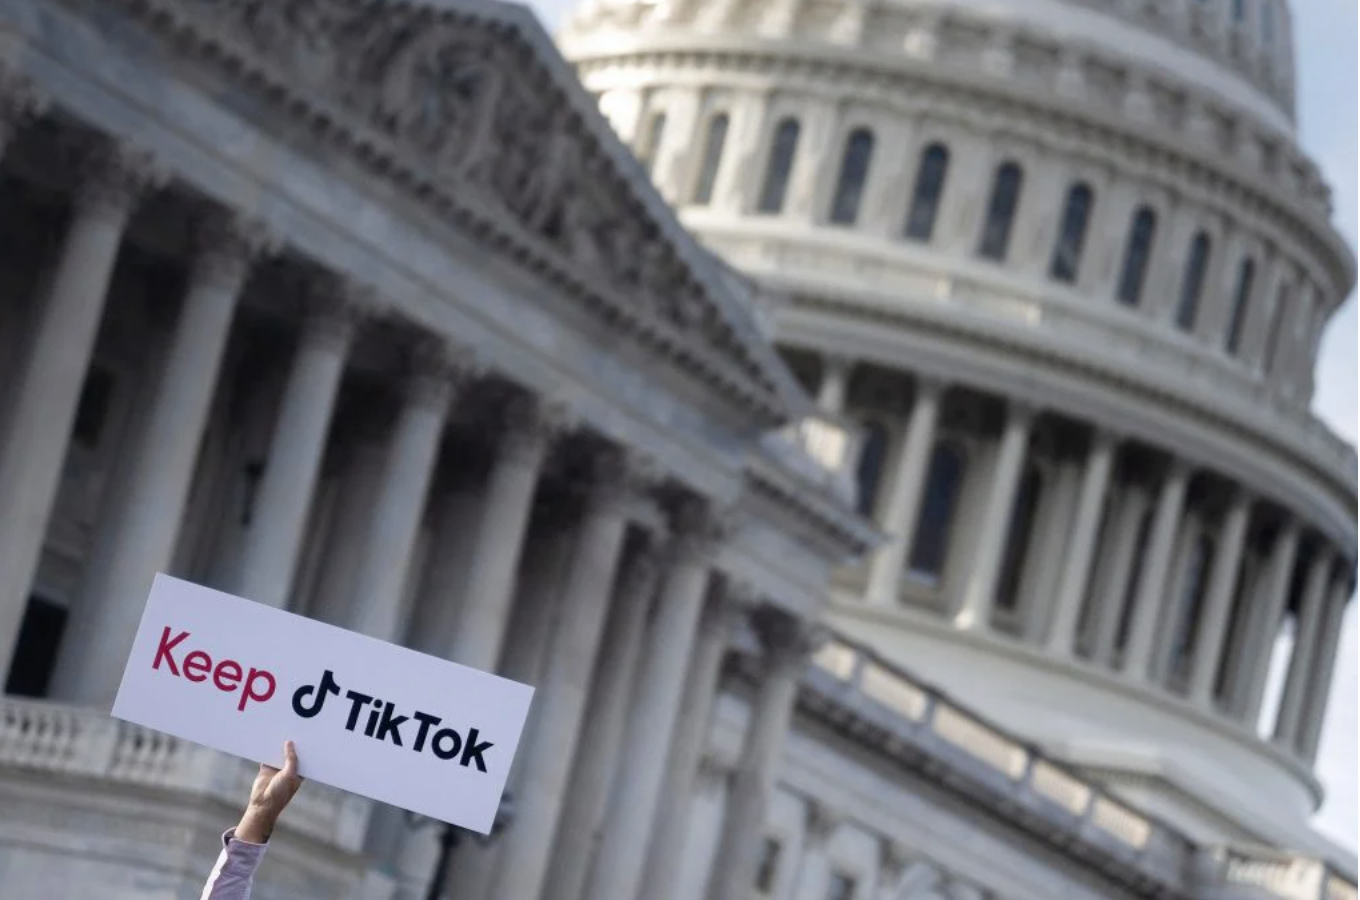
{"x": 1076, "y": 574}
{"x": 787, "y": 644}
{"x": 1290, "y": 718}
{"x": 593, "y": 774}
{"x": 565, "y": 684}
{"x": 529, "y": 430}
{"x": 137, "y": 538}
{"x": 980, "y": 591}
{"x": 722, "y": 617}
{"x": 1151, "y": 599}
{"x": 394, "y": 522}
{"x": 1321, "y": 677}
{"x": 656, "y": 706}
{"x": 1116, "y": 569}
{"x": 1265, "y": 626}
{"x": 276, "y": 535}
{"x": 1218, "y": 606}
{"x": 44, "y": 410}
{"x": 835, "y": 383}
{"x": 814, "y": 869}
{"x": 901, "y": 512}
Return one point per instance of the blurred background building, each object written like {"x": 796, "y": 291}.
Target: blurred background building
{"x": 880, "y": 430}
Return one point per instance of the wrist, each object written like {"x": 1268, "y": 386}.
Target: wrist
{"x": 256, "y": 826}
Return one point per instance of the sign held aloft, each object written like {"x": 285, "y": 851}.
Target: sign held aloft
{"x": 367, "y": 716}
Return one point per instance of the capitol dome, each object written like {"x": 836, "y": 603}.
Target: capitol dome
{"x": 1060, "y": 269}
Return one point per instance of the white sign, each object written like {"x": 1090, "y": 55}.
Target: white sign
{"x": 370, "y": 717}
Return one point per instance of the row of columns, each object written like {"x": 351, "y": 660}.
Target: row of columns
{"x": 1145, "y": 543}
{"x": 643, "y": 689}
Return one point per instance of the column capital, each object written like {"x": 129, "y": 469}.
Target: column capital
{"x": 113, "y": 177}
{"x": 698, "y": 528}
{"x": 531, "y": 426}
{"x": 822, "y": 820}
{"x": 1021, "y": 413}
{"x": 928, "y": 384}
{"x": 334, "y": 307}
{"x": 788, "y": 641}
{"x": 1105, "y": 439}
{"x": 729, "y": 609}
{"x": 21, "y": 101}
{"x": 615, "y": 476}
{"x": 641, "y": 570}
{"x": 227, "y": 244}
{"x": 437, "y": 371}
{"x": 842, "y": 363}
{"x": 893, "y": 860}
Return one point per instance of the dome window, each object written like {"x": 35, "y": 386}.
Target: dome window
{"x": 1268, "y": 360}
{"x": 1137, "y": 255}
{"x": 1192, "y": 283}
{"x": 1072, "y": 238}
{"x": 869, "y": 474}
{"x": 713, "y": 149}
{"x": 944, "y": 484}
{"x": 925, "y": 198}
{"x": 1246, "y": 278}
{"x": 996, "y": 232}
{"x": 1239, "y": 11}
{"x": 1268, "y": 23}
{"x": 859, "y": 153}
{"x": 780, "y": 165}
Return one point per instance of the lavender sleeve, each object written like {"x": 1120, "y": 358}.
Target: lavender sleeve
{"x": 231, "y": 878}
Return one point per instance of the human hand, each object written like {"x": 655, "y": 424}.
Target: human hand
{"x": 269, "y": 795}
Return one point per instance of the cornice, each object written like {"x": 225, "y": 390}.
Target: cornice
{"x": 967, "y": 97}
{"x": 1191, "y": 27}
{"x": 677, "y": 314}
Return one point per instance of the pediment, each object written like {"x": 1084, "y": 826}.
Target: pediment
{"x": 470, "y": 105}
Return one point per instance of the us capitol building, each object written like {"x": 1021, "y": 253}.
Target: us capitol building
{"x": 879, "y": 430}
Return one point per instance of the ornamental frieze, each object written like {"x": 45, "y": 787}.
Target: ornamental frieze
{"x": 463, "y": 99}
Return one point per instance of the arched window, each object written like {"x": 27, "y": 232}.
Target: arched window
{"x": 1273, "y": 333}
{"x": 779, "y": 167}
{"x": 1246, "y": 277}
{"x": 1239, "y": 11}
{"x": 1268, "y": 23}
{"x": 944, "y": 484}
{"x": 1192, "y": 282}
{"x": 859, "y": 153}
{"x": 925, "y": 198}
{"x": 996, "y": 231}
{"x": 1072, "y": 237}
{"x": 870, "y": 471}
{"x": 1137, "y": 255}
{"x": 713, "y": 148}
{"x": 651, "y": 140}
{"x": 1023, "y": 513}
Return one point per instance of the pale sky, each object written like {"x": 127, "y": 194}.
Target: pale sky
{"x": 1325, "y": 33}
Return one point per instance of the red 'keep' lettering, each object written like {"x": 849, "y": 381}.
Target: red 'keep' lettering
{"x": 226, "y": 677}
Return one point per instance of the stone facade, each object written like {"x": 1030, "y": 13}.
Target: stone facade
{"x": 363, "y": 311}
{"x": 1061, "y": 269}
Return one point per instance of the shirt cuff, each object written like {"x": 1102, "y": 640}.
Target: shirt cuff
{"x": 235, "y": 869}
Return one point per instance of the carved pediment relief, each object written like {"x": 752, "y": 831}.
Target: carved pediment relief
{"x": 465, "y": 100}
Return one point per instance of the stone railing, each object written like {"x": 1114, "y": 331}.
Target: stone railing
{"x": 37, "y": 736}
{"x": 1262, "y": 872}
{"x": 950, "y": 743}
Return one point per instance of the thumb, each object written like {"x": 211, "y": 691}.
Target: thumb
{"x": 290, "y": 760}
